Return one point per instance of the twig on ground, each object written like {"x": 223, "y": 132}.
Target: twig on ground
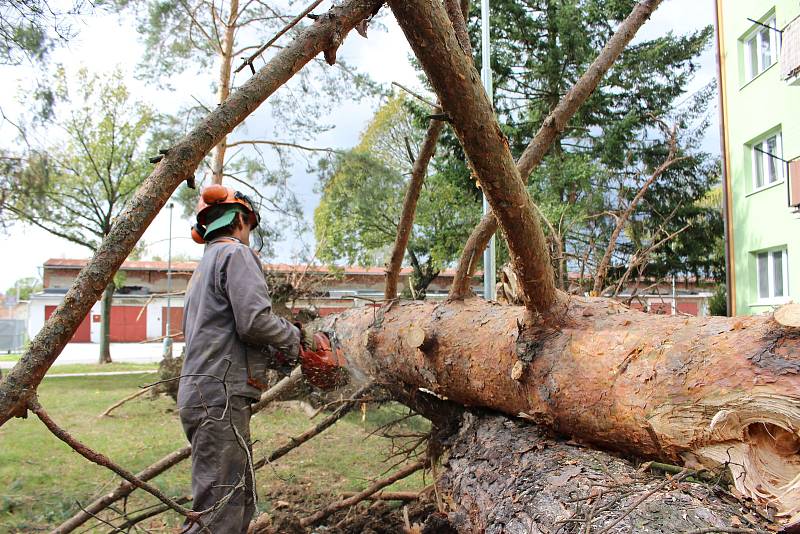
{"x": 726, "y": 530}
{"x": 310, "y": 433}
{"x": 147, "y": 513}
{"x": 640, "y": 500}
{"x": 388, "y": 495}
{"x": 119, "y": 403}
{"x": 355, "y": 499}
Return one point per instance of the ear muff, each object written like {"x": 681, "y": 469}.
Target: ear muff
{"x": 198, "y": 234}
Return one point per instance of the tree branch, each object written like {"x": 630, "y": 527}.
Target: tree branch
{"x": 418, "y": 172}
{"x": 622, "y": 220}
{"x": 103, "y": 461}
{"x": 372, "y": 489}
{"x": 281, "y": 144}
{"x": 462, "y": 97}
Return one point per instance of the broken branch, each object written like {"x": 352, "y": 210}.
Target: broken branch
{"x": 355, "y": 499}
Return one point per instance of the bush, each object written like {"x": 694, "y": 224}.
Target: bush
{"x": 718, "y": 303}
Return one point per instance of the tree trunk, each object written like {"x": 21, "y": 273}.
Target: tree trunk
{"x": 226, "y": 58}
{"x": 713, "y": 390}
{"x": 106, "y": 304}
{"x": 410, "y": 205}
{"x": 502, "y": 476}
{"x": 178, "y": 164}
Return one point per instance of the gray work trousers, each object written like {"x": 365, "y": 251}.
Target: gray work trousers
{"x": 220, "y": 466}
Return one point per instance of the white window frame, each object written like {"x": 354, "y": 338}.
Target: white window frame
{"x": 772, "y": 298}
{"x": 761, "y": 161}
{"x": 756, "y": 39}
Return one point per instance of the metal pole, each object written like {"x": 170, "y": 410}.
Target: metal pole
{"x": 489, "y": 268}
{"x": 168, "y": 338}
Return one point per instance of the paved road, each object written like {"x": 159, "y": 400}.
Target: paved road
{"x": 120, "y": 352}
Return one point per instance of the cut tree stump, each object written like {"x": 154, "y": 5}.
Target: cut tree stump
{"x": 505, "y": 476}
{"x": 721, "y": 392}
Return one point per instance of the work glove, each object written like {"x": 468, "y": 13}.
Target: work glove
{"x": 322, "y": 366}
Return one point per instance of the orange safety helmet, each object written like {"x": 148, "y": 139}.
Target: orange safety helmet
{"x": 219, "y": 195}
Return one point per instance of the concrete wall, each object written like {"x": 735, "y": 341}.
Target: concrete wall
{"x": 760, "y": 218}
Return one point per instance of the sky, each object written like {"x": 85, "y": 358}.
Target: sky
{"x": 105, "y": 42}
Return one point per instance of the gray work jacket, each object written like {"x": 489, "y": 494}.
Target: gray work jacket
{"x": 228, "y": 318}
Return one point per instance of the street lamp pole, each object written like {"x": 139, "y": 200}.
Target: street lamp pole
{"x": 168, "y": 338}
{"x": 489, "y": 268}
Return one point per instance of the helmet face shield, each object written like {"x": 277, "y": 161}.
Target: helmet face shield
{"x": 255, "y": 220}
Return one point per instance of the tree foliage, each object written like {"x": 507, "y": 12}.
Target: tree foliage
{"x": 24, "y": 288}
{"x": 362, "y": 195}
{"x": 30, "y": 29}
{"x": 213, "y": 37}
{"x": 613, "y": 143}
{"x": 74, "y": 187}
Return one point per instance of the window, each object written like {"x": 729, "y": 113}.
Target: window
{"x": 773, "y": 274}
{"x": 760, "y": 49}
{"x": 767, "y": 164}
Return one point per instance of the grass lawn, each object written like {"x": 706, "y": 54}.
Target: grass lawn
{"x": 41, "y": 478}
{"x": 9, "y": 357}
{"x": 101, "y": 368}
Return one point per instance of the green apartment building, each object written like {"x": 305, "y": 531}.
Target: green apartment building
{"x": 759, "y": 70}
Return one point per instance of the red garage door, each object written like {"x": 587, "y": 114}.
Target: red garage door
{"x": 128, "y": 324}
{"x": 81, "y": 335}
{"x": 176, "y": 322}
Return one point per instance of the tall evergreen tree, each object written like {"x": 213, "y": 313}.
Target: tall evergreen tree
{"x": 597, "y": 165}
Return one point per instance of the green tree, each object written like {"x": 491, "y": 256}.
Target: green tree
{"x": 30, "y": 29}
{"x": 202, "y": 36}
{"x": 75, "y": 184}
{"x": 24, "y": 288}
{"x": 609, "y": 148}
{"x": 362, "y": 195}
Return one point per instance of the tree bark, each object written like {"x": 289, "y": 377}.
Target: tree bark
{"x": 106, "y": 303}
{"x": 723, "y": 392}
{"x": 552, "y": 126}
{"x": 506, "y": 477}
{"x": 178, "y": 164}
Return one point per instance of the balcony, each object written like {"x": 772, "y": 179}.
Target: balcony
{"x": 790, "y": 53}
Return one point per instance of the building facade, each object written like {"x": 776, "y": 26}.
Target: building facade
{"x": 141, "y": 306}
{"x": 758, "y": 43}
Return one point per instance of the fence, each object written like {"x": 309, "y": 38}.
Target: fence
{"x": 12, "y": 334}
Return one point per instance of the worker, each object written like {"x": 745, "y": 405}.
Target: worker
{"x": 232, "y": 337}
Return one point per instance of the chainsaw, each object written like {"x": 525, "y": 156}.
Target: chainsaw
{"x": 322, "y": 359}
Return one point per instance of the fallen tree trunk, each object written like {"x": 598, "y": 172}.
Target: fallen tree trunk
{"x": 719, "y": 391}
{"x": 502, "y": 476}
